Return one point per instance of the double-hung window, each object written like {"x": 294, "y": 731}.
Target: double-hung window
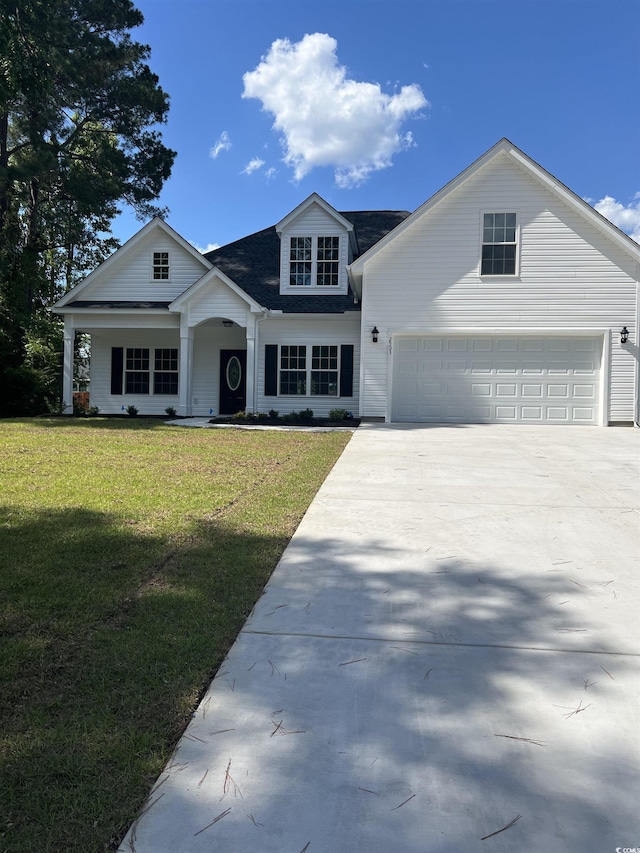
{"x": 314, "y": 262}
{"x": 499, "y": 244}
{"x": 161, "y": 266}
{"x": 324, "y": 370}
{"x": 145, "y": 371}
{"x": 316, "y": 370}
{"x": 300, "y": 262}
{"x": 136, "y": 376}
{"x": 293, "y": 370}
{"x": 165, "y": 374}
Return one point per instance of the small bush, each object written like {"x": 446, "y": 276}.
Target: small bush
{"x": 131, "y": 411}
{"x": 339, "y": 414}
{"x": 170, "y": 411}
{"x": 93, "y": 411}
{"x": 273, "y": 414}
{"x": 300, "y": 417}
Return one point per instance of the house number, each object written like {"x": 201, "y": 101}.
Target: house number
{"x": 234, "y": 373}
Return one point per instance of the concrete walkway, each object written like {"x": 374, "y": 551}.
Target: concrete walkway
{"x": 445, "y": 660}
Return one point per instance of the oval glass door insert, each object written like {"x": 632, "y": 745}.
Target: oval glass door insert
{"x": 234, "y": 373}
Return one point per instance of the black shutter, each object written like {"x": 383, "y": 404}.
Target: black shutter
{"x": 271, "y": 370}
{"x": 117, "y": 363}
{"x": 346, "y": 370}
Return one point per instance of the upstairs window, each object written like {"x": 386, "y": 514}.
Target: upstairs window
{"x": 314, "y": 262}
{"x": 161, "y": 266}
{"x": 300, "y": 260}
{"x": 328, "y": 261}
{"x": 498, "y": 244}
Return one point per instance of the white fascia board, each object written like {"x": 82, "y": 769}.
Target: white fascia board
{"x": 582, "y": 207}
{"x": 504, "y": 146}
{"x": 203, "y": 281}
{"x": 344, "y": 315}
{"x": 314, "y": 198}
{"x": 155, "y": 224}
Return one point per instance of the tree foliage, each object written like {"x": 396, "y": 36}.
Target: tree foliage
{"x": 79, "y": 117}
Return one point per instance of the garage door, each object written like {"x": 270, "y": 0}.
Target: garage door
{"x": 504, "y": 379}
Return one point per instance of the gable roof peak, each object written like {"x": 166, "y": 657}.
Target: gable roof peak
{"x": 314, "y": 198}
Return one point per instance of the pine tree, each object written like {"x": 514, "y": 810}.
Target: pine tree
{"x": 79, "y": 117}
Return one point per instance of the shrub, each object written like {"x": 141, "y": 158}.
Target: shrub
{"x": 131, "y": 411}
{"x": 93, "y": 411}
{"x": 171, "y": 412}
{"x": 273, "y": 414}
{"x": 339, "y": 415}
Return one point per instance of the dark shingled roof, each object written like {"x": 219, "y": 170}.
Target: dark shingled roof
{"x": 87, "y": 303}
{"x": 253, "y": 263}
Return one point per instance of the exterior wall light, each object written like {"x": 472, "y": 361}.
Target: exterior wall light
{"x": 624, "y": 335}
{"x": 374, "y": 334}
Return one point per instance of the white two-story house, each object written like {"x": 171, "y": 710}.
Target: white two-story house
{"x": 505, "y": 298}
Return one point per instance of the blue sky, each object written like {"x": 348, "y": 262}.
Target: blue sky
{"x": 376, "y": 104}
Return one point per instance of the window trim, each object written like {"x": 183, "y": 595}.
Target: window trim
{"x": 155, "y": 252}
{"x": 500, "y": 276}
{"x": 314, "y": 287}
{"x": 150, "y": 372}
{"x": 342, "y": 361}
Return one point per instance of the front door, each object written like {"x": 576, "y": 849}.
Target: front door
{"x": 233, "y": 382}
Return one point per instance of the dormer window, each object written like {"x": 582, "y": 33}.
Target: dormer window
{"x": 161, "y": 266}
{"x": 328, "y": 261}
{"x": 314, "y": 261}
{"x": 300, "y": 269}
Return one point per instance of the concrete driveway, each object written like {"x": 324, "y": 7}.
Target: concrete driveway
{"x": 445, "y": 660}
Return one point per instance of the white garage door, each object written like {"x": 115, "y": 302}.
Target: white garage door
{"x": 504, "y": 379}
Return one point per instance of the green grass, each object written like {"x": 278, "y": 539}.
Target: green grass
{"x": 130, "y": 555}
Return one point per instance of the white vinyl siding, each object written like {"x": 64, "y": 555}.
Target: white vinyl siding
{"x": 291, "y": 331}
{"x": 215, "y": 299}
{"x": 571, "y": 277}
{"x": 130, "y": 277}
{"x": 102, "y": 342}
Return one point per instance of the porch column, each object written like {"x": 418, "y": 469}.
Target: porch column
{"x": 186, "y": 368}
{"x": 251, "y": 362}
{"x": 69, "y": 336}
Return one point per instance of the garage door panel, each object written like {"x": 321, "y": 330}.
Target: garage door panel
{"x": 529, "y": 380}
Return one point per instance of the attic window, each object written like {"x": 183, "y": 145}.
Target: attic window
{"x": 161, "y": 266}
{"x": 499, "y": 244}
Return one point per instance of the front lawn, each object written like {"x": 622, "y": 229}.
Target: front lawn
{"x": 130, "y": 555}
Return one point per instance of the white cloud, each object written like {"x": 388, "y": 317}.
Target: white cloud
{"x": 626, "y": 218}
{"x": 252, "y": 166}
{"x": 223, "y": 144}
{"x": 327, "y": 119}
{"x": 204, "y": 249}
{"x": 270, "y": 173}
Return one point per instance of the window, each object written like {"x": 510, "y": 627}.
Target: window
{"x": 314, "y": 261}
{"x": 161, "y": 266}
{"x": 136, "y": 377}
{"x": 137, "y": 371}
{"x": 300, "y": 258}
{"x": 324, "y": 370}
{"x": 293, "y": 370}
{"x": 499, "y": 244}
{"x": 165, "y": 375}
{"x": 328, "y": 261}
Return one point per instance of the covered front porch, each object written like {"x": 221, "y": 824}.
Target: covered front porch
{"x": 196, "y": 355}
